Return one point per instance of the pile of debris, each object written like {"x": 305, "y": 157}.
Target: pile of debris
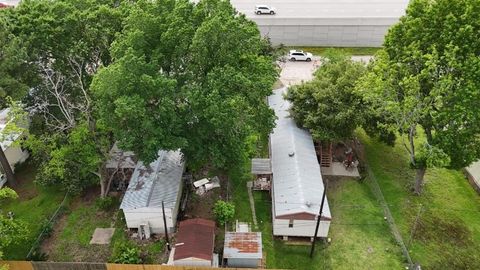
{"x": 204, "y": 185}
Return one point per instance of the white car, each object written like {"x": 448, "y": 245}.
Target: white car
{"x": 264, "y": 9}
{"x": 295, "y": 55}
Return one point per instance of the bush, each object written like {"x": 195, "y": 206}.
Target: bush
{"x": 125, "y": 253}
{"x": 224, "y": 211}
{"x": 105, "y": 203}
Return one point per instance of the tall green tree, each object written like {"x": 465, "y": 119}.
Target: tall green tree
{"x": 188, "y": 76}
{"x": 66, "y": 42}
{"x": 428, "y": 76}
{"x": 328, "y": 106}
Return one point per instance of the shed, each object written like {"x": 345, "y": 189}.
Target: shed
{"x": 297, "y": 184}
{"x": 347, "y": 23}
{"x": 14, "y": 153}
{"x": 160, "y": 181}
{"x": 243, "y": 249}
{"x": 261, "y": 166}
{"x": 195, "y": 243}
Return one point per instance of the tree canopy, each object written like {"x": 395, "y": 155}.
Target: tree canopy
{"x": 187, "y": 76}
{"x": 428, "y": 76}
{"x": 328, "y": 106}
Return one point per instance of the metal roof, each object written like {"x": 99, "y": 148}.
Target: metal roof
{"x": 297, "y": 181}
{"x": 150, "y": 185}
{"x": 121, "y": 159}
{"x": 261, "y": 166}
{"x": 195, "y": 239}
{"x": 318, "y": 9}
{"x": 243, "y": 245}
{"x": 474, "y": 171}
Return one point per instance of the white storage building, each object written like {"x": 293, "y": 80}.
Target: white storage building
{"x": 338, "y": 23}
{"x": 14, "y": 153}
{"x": 148, "y": 187}
{"x": 297, "y": 185}
{"x": 243, "y": 249}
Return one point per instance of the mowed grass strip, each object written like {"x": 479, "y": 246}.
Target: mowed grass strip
{"x": 442, "y": 225}
{"x": 34, "y": 207}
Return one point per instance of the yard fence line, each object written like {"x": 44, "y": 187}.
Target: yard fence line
{"x": 26, "y": 265}
{"x": 47, "y": 227}
{"x": 386, "y": 210}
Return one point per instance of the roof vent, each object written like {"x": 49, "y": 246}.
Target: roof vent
{"x": 308, "y": 204}
{"x": 291, "y": 154}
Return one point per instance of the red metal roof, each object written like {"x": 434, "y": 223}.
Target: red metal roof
{"x": 195, "y": 238}
{"x": 2, "y": 5}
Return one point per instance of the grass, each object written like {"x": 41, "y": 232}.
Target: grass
{"x": 447, "y": 234}
{"x": 72, "y": 242}
{"x": 34, "y": 207}
{"x": 360, "y": 237}
{"x": 349, "y": 50}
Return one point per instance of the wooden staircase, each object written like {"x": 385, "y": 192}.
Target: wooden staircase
{"x": 324, "y": 153}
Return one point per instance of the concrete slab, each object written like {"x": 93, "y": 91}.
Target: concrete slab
{"x": 102, "y": 236}
{"x": 337, "y": 169}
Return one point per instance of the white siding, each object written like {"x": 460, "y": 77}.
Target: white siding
{"x": 243, "y": 262}
{"x": 192, "y": 262}
{"x": 154, "y": 216}
{"x": 302, "y": 228}
{"x": 15, "y": 155}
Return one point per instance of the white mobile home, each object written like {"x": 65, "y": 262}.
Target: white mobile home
{"x": 14, "y": 153}
{"x": 148, "y": 187}
{"x": 297, "y": 185}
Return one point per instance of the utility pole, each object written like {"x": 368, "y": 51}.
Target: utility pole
{"x": 318, "y": 220}
{"x": 165, "y": 226}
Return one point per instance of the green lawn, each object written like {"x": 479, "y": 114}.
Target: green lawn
{"x": 72, "y": 242}
{"x": 447, "y": 234}
{"x": 34, "y": 207}
{"x": 360, "y": 237}
{"x": 349, "y": 50}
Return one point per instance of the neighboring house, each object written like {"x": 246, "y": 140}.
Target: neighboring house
{"x": 195, "y": 242}
{"x": 243, "y": 249}
{"x": 14, "y": 153}
{"x": 359, "y": 23}
{"x": 473, "y": 174}
{"x": 297, "y": 185}
{"x": 151, "y": 185}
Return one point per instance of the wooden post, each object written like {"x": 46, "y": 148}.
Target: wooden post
{"x": 318, "y": 221}
{"x": 165, "y": 226}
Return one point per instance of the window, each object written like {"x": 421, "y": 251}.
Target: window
{"x": 290, "y": 223}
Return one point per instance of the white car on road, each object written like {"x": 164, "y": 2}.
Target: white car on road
{"x": 295, "y": 55}
{"x": 264, "y": 9}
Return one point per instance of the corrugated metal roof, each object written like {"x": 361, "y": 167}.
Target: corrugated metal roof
{"x": 297, "y": 181}
{"x": 261, "y": 166}
{"x": 121, "y": 159}
{"x": 243, "y": 245}
{"x": 150, "y": 185}
{"x": 195, "y": 238}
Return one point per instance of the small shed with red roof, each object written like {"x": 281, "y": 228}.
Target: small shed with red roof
{"x": 194, "y": 243}
{"x": 243, "y": 249}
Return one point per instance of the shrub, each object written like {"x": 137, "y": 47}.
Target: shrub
{"x": 224, "y": 211}
{"x": 105, "y": 203}
{"x": 125, "y": 253}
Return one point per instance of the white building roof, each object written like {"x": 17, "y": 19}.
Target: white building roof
{"x": 325, "y": 8}
{"x": 474, "y": 171}
{"x": 161, "y": 181}
{"x": 297, "y": 181}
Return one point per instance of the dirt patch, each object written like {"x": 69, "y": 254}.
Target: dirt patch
{"x": 48, "y": 243}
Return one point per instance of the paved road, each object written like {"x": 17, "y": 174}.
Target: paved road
{"x": 295, "y": 72}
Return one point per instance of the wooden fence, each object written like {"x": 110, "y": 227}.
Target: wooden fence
{"x": 23, "y": 265}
